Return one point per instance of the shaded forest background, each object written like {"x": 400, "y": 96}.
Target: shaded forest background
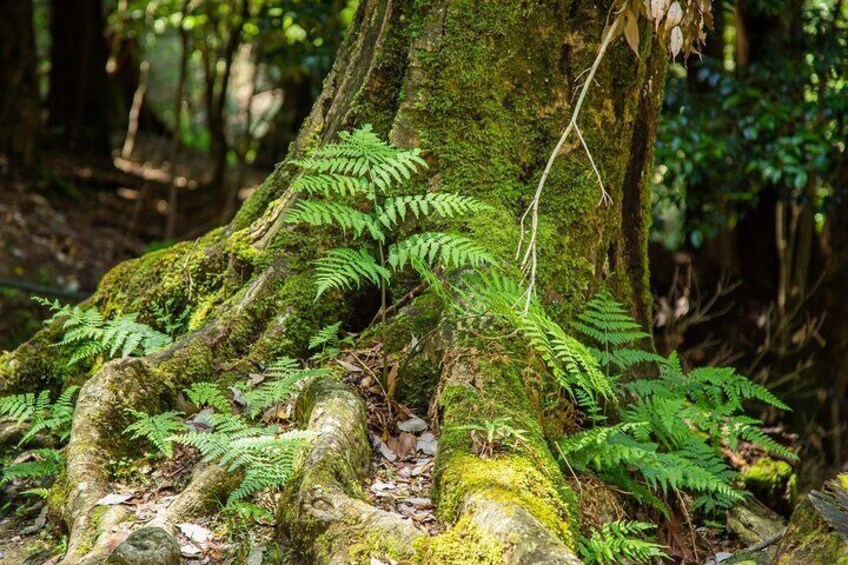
{"x": 134, "y": 125}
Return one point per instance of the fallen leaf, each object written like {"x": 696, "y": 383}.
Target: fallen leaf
{"x": 412, "y": 425}
{"x": 194, "y": 532}
{"x": 190, "y": 550}
{"x": 427, "y": 444}
{"x": 113, "y": 499}
{"x": 349, "y": 367}
{"x": 406, "y": 444}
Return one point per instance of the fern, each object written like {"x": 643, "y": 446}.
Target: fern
{"x": 86, "y": 334}
{"x": 347, "y": 184}
{"x": 208, "y": 394}
{"x": 347, "y": 268}
{"x": 157, "y": 429}
{"x": 40, "y": 413}
{"x": 281, "y": 381}
{"x": 672, "y": 430}
{"x": 616, "y": 543}
{"x": 491, "y": 295}
{"x": 443, "y": 205}
{"x": 449, "y": 250}
{"x": 267, "y": 461}
{"x": 44, "y": 463}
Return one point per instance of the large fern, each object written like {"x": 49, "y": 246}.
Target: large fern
{"x": 347, "y": 185}
{"x": 40, "y": 414}
{"x": 671, "y": 430}
{"x": 87, "y": 334}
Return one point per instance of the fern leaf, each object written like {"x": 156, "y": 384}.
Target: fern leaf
{"x": 347, "y": 268}
{"x": 451, "y": 251}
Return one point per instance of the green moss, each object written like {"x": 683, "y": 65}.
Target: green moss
{"x": 525, "y": 474}
{"x": 463, "y": 544}
{"x": 373, "y": 545}
{"x": 770, "y": 479}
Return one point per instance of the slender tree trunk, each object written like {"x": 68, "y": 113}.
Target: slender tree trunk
{"x": 19, "y": 97}
{"x": 78, "y": 99}
{"x": 484, "y": 89}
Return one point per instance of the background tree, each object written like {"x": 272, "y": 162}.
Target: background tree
{"x": 20, "y": 111}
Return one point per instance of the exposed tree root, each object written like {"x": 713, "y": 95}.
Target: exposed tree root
{"x": 320, "y": 512}
{"x": 510, "y": 508}
{"x": 209, "y": 485}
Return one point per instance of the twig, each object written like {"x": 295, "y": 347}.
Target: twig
{"x": 529, "y": 260}
{"x": 400, "y": 303}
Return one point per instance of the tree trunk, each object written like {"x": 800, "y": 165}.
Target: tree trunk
{"x": 19, "y": 98}
{"x": 78, "y": 99}
{"x": 484, "y": 89}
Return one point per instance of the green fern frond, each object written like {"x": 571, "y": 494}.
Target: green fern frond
{"x": 449, "y": 250}
{"x": 344, "y": 269}
{"x": 157, "y": 429}
{"x": 43, "y": 464}
{"x": 329, "y": 184}
{"x": 618, "y": 542}
{"x": 317, "y": 213}
{"x": 443, "y": 205}
{"x": 208, "y": 394}
{"x": 325, "y": 336}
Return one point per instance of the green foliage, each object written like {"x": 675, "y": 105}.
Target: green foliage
{"x": 348, "y": 184}
{"x": 87, "y": 334}
{"x": 328, "y": 341}
{"x": 616, "y": 543}
{"x": 39, "y": 464}
{"x": 208, "y": 394}
{"x": 40, "y": 414}
{"x": 671, "y": 430}
{"x": 493, "y": 296}
{"x": 239, "y": 442}
{"x": 489, "y": 435}
{"x": 281, "y": 381}
{"x": 157, "y": 429}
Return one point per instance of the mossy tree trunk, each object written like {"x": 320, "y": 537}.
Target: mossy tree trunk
{"x": 484, "y": 88}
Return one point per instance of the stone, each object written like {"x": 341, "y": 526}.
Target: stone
{"x": 147, "y": 546}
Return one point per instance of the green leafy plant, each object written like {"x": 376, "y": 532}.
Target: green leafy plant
{"x": 240, "y": 442}
{"x": 492, "y": 434}
{"x": 40, "y": 414}
{"x": 37, "y": 464}
{"x": 87, "y": 334}
{"x": 670, "y": 431}
{"x": 617, "y": 542}
{"x": 158, "y": 429}
{"x": 329, "y": 342}
{"x": 351, "y": 185}
{"x": 496, "y": 298}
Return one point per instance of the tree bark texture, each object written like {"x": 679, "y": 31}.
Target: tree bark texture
{"x": 484, "y": 89}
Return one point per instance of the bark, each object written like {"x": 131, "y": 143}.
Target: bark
{"x": 484, "y": 89}
{"x": 78, "y": 101}
{"x": 19, "y": 98}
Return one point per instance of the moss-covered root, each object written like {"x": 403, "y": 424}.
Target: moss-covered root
{"x": 97, "y": 427}
{"x": 209, "y": 485}
{"x": 818, "y": 530}
{"x": 515, "y": 502}
{"x": 322, "y": 514}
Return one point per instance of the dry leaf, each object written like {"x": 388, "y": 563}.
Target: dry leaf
{"x": 631, "y": 31}
{"x": 674, "y": 16}
{"x": 406, "y": 444}
{"x": 113, "y": 499}
{"x": 676, "y": 41}
{"x": 412, "y": 425}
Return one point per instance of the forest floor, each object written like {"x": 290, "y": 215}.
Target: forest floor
{"x": 65, "y": 229}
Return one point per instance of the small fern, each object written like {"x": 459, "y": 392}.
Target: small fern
{"x": 208, "y": 394}
{"x": 40, "y": 464}
{"x": 281, "y": 381}
{"x": 157, "y": 429}
{"x": 347, "y": 183}
{"x": 40, "y": 414}
{"x": 86, "y": 334}
{"x": 617, "y": 542}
